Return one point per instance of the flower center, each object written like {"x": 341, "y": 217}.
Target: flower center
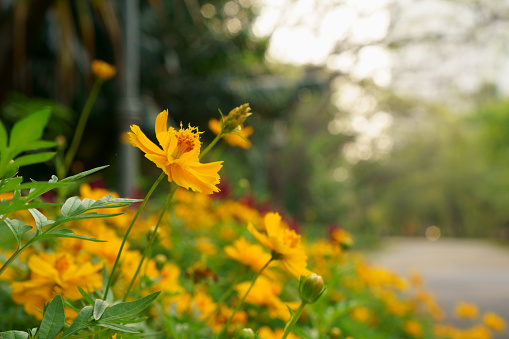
{"x": 291, "y": 238}
{"x": 186, "y": 139}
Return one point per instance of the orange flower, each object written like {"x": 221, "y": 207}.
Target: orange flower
{"x": 179, "y": 156}
{"x": 238, "y": 137}
{"x": 103, "y": 69}
{"x": 284, "y": 243}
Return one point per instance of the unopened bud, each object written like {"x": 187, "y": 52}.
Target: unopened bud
{"x": 103, "y": 69}
{"x": 236, "y": 118}
{"x": 311, "y": 288}
{"x": 335, "y": 333}
{"x": 160, "y": 260}
{"x": 152, "y": 232}
{"x": 245, "y": 333}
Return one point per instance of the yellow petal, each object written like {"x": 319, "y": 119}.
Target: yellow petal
{"x": 199, "y": 177}
{"x": 138, "y": 139}
{"x": 162, "y": 127}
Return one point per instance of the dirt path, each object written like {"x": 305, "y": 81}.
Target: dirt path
{"x": 454, "y": 270}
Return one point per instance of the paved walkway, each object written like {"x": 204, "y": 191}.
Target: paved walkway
{"x": 454, "y": 270}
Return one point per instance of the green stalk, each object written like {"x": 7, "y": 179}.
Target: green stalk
{"x": 291, "y": 323}
{"x": 244, "y": 297}
{"x": 209, "y": 147}
{"x": 15, "y": 255}
{"x": 129, "y": 230}
{"x": 150, "y": 242}
{"x": 78, "y": 133}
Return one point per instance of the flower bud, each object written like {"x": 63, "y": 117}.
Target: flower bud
{"x": 153, "y": 232}
{"x": 311, "y": 288}
{"x": 103, "y": 69}
{"x": 236, "y": 118}
{"x": 335, "y": 333}
{"x": 245, "y": 333}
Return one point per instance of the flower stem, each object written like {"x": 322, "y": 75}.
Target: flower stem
{"x": 129, "y": 230}
{"x": 15, "y": 255}
{"x": 244, "y": 297}
{"x": 80, "y": 127}
{"x": 209, "y": 147}
{"x": 151, "y": 241}
{"x": 291, "y": 323}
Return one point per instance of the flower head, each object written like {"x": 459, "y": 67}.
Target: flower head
{"x": 103, "y": 69}
{"x": 466, "y": 310}
{"x": 284, "y": 243}
{"x": 238, "y": 137}
{"x": 179, "y": 156}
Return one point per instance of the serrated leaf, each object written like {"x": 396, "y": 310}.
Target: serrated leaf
{"x": 40, "y": 219}
{"x": 85, "y": 296}
{"x": 99, "y": 308}
{"x": 53, "y": 319}
{"x": 14, "y": 335}
{"x": 30, "y": 159}
{"x": 28, "y": 129}
{"x": 118, "y": 327}
{"x": 81, "y": 322}
{"x": 128, "y": 309}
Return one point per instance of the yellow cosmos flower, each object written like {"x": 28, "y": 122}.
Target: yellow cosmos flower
{"x": 284, "y": 243}
{"x": 103, "y": 69}
{"x": 466, "y": 310}
{"x": 267, "y": 333}
{"x": 494, "y": 321}
{"x": 58, "y": 273}
{"x": 248, "y": 254}
{"x": 266, "y": 293}
{"x": 237, "y": 138}
{"x": 179, "y": 156}
{"x": 413, "y": 328}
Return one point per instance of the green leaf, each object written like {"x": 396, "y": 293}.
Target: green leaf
{"x": 55, "y": 234}
{"x": 3, "y": 138}
{"x": 13, "y": 225}
{"x": 99, "y": 307}
{"x": 86, "y": 296}
{"x": 83, "y": 174}
{"x": 53, "y": 319}
{"x": 30, "y": 159}
{"x": 81, "y": 322}
{"x": 128, "y": 309}
{"x": 38, "y": 145}
{"x": 74, "y": 209}
{"x": 28, "y": 129}
{"x": 40, "y": 220}
{"x": 118, "y": 327}
{"x": 10, "y": 185}
{"x": 13, "y": 335}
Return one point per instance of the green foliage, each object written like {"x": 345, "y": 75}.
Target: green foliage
{"x": 53, "y": 319}
{"x": 24, "y": 136}
{"x": 109, "y": 317}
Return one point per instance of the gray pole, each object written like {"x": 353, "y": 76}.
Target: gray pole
{"x": 130, "y": 106}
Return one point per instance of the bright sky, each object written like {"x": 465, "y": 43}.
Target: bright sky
{"x": 313, "y": 32}
{"x": 310, "y": 31}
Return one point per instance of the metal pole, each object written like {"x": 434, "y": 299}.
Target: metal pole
{"x": 130, "y": 106}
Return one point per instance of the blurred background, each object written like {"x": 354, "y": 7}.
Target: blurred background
{"x": 385, "y": 117}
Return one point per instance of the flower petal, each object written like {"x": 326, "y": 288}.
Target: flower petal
{"x": 162, "y": 127}
{"x": 199, "y": 177}
{"x": 138, "y": 139}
